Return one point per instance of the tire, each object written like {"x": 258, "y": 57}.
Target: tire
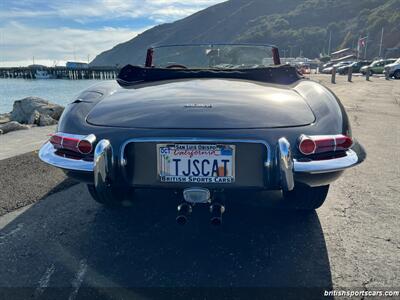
{"x": 306, "y": 198}
{"x": 396, "y": 74}
{"x": 119, "y": 198}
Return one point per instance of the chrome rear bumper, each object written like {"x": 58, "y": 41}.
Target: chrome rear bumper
{"x": 288, "y": 166}
{"x": 48, "y": 155}
{"x": 328, "y": 165}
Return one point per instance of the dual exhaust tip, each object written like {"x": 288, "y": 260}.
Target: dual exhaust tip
{"x": 216, "y": 211}
{"x": 185, "y": 209}
{"x": 196, "y": 195}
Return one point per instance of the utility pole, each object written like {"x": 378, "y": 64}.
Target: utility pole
{"x": 380, "y": 45}
{"x": 330, "y": 41}
{"x": 366, "y": 45}
{"x": 1, "y": 43}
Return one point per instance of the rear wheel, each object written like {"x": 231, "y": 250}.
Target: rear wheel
{"x": 119, "y": 197}
{"x": 397, "y": 74}
{"x": 304, "y": 197}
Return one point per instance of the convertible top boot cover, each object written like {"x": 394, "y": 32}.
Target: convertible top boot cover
{"x": 282, "y": 74}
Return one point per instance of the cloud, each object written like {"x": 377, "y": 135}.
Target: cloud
{"x": 106, "y": 9}
{"x": 153, "y": 9}
{"x": 20, "y": 43}
{"x": 62, "y": 30}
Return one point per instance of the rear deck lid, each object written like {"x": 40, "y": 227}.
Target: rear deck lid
{"x": 203, "y": 104}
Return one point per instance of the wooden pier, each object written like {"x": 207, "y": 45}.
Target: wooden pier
{"x": 101, "y": 73}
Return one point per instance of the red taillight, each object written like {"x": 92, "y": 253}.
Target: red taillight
{"x": 343, "y": 142}
{"x": 84, "y": 147}
{"x": 56, "y": 141}
{"x": 70, "y": 143}
{"x": 324, "y": 143}
{"x": 82, "y": 144}
{"x": 307, "y": 146}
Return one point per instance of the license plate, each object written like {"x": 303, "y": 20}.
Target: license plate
{"x": 196, "y": 163}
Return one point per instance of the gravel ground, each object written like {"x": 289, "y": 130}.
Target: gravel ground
{"x": 361, "y": 217}
{"x": 67, "y": 246}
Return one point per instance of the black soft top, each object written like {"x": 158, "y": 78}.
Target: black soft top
{"x": 131, "y": 75}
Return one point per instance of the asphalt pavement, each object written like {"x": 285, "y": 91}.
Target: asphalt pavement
{"x": 61, "y": 244}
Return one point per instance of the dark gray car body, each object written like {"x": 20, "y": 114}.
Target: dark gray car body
{"x": 253, "y": 115}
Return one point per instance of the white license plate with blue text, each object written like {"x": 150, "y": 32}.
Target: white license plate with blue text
{"x": 196, "y": 163}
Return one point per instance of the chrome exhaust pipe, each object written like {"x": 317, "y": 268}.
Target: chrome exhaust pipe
{"x": 216, "y": 213}
{"x": 184, "y": 210}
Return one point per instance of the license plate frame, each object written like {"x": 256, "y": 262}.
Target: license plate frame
{"x": 221, "y": 148}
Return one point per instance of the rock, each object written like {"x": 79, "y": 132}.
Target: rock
{"x": 12, "y": 126}
{"x": 34, "y": 118}
{"x": 46, "y": 121}
{"x": 31, "y": 109}
{"x": 4, "y": 118}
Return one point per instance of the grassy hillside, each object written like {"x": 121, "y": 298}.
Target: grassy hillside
{"x": 307, "y": 27}
{"x": 298, "y": 26}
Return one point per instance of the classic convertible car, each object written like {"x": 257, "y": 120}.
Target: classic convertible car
{"x": 204, "y": 121}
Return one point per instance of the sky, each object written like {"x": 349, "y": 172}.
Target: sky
{"x": 51, "y": 32}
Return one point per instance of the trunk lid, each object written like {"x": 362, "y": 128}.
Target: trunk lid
{"x": 203, "y": 104}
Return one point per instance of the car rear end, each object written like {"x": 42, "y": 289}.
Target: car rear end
{"x": 275, "y": 138}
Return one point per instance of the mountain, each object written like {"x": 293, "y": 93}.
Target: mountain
{"x": 297, "y": 27}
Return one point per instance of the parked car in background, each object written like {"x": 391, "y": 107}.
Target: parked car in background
{"x": 394, "y": 69}
{"x": 324, "y": 66}
{"x": 304, "y": 68}
{"x": 356, "y": 67}
{"x": 377, "y": 66}
{"x": 327, "y": 65}
{"x": 328, "y": 70}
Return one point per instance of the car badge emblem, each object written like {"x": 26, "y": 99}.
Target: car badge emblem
{"x": 197, "y": 105}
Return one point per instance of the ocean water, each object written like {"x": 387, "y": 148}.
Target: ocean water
{"x": 59, "y": 91}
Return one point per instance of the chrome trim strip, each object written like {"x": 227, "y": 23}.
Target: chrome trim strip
{"x": 74, "y": 136}
{"x": 91, "y": 138}
{"x": 335, "y": 146}
{"x": 328, "y": 165}
{"x": 285, "y": 164}
{"x": 48, "y": 155}
{"x": 122, "y": 162}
